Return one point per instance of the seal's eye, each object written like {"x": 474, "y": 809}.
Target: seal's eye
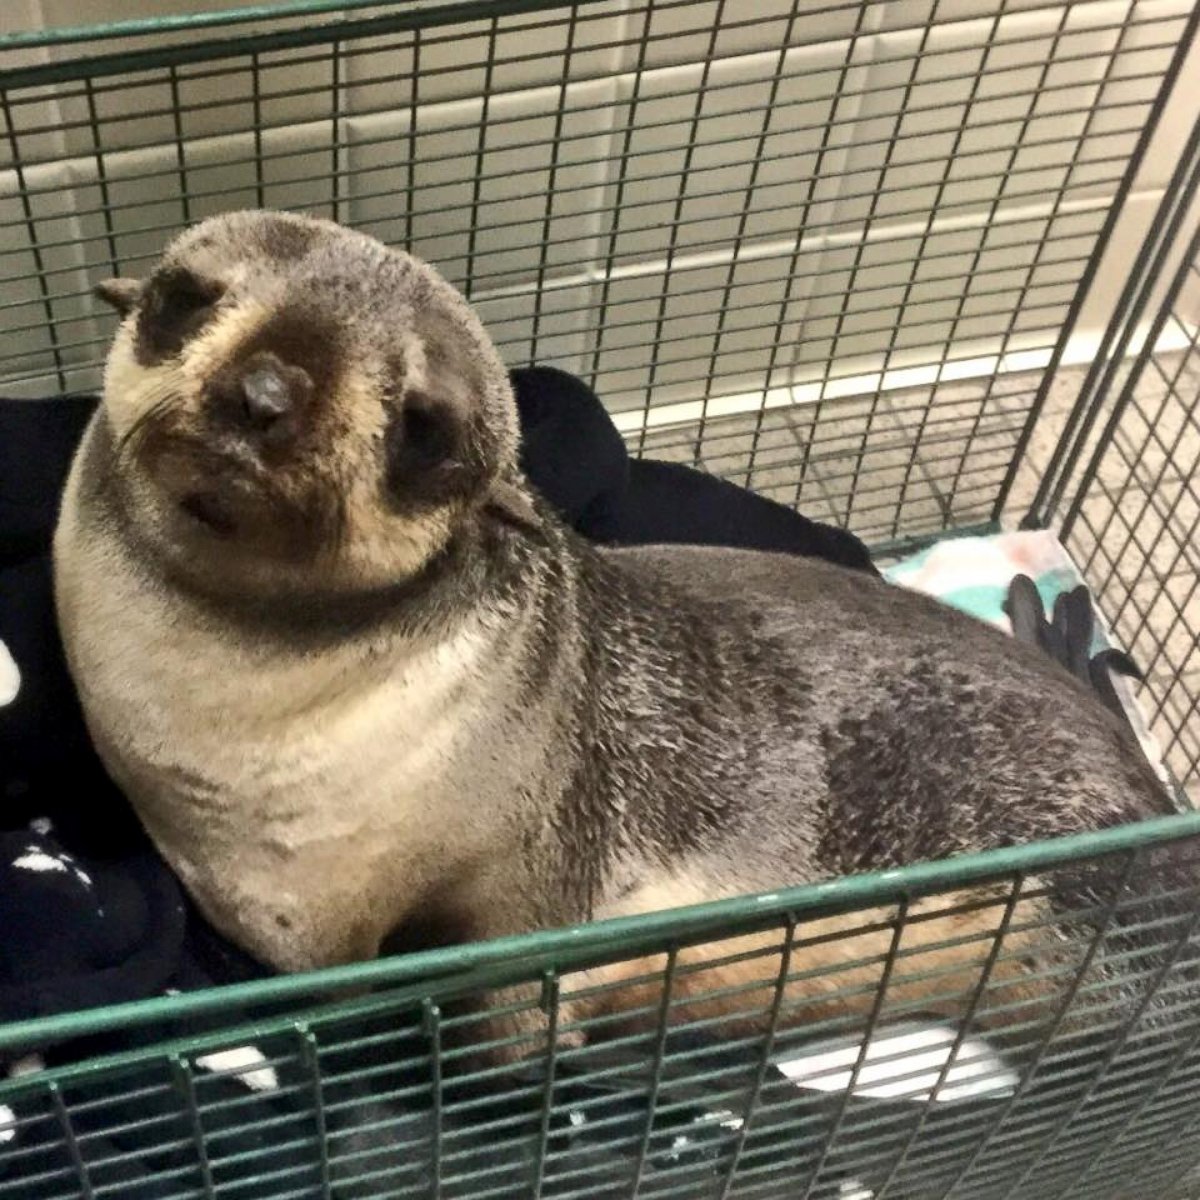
{"x": 427, "y": 436}
{"x": 424, "y": 452}
{"x": 175, "y": 306}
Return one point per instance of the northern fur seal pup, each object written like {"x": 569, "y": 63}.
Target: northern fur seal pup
{"x": 357, "y": 679}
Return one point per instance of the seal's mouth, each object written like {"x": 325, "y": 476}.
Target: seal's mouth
{"x": 212, "y": 485}
{"x": 217, "y": 488}
{"x": 223, "y": 498}
{"x": 225, "y": 494}
{"x": 211, "y": 511}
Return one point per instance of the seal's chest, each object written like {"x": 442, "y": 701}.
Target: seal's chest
{"x": 230, "y": 763}
{"x": 197, "y": 714}
{"x": 288, "y": 834}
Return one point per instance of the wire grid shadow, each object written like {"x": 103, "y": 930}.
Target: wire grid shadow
{"x": 1022, "y": 1031}
{"x": 803, "y": 247}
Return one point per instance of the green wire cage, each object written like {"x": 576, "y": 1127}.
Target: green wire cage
{"x": 919, "y": 267}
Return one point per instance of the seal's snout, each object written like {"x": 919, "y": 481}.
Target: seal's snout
{"x": 266, "y": 396}
{"x": 262, "y": 398}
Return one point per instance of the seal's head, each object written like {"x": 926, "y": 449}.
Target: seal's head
{"x": 295, "y": 405}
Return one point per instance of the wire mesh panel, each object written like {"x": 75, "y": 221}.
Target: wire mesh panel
{"x": 1121, "y": 484}
{"x": 822, "y": 249}
{"x": 835, "y": 251}
{"x": 879, "y": 1037}
{"x": 1134, "y": 527}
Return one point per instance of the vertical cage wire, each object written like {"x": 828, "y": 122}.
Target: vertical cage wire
{"x": 1112, "y": 357}
{"x": 1132, "y": 521}
{"x": 1119, "y": 486}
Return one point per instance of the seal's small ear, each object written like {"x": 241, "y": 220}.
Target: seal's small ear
{"x": 512, "y": 504}
{"x": 122, "y": 294}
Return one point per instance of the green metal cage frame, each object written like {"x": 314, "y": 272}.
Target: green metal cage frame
{"x": 1120, "y": 1097}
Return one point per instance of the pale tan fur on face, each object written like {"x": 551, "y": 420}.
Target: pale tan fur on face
{"x": 377, "y": 547}
{"x": 130, "y": 387}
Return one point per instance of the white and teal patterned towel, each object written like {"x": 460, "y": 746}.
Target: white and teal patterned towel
{"x": 974, "y": 574}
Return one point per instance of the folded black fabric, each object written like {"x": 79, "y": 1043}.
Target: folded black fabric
{"x": 37, "y": 441}
{"x": 113, "y": 927}
{"x": 47, "y": 765}
{"x": 574, "y": 455}
{"x": 669, "y": 502}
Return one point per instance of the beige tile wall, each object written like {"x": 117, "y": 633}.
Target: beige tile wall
{"x": 896, "y": 136}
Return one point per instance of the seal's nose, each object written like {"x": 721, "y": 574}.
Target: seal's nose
{"x": 266, "y": 397}
{"x": 262, "y": 397}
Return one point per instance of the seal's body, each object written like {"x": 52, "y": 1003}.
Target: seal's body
{"x": 364, "y": 690}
